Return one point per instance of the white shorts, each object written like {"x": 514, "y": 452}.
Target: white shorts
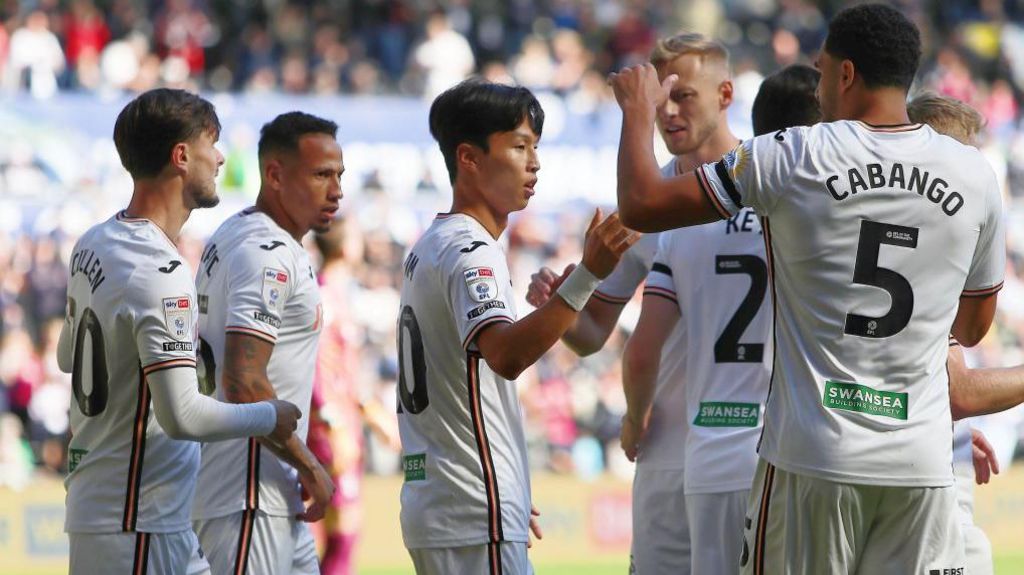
{"x": 661, "y": 529}
{"x": 505, "y": 558}
{"x": 718, "y": 543}
{"x": 133, "y": 553}
{"x": 254, "y": 543}
{"x": 797, "y": 524}
{"x": 977, "y": 548}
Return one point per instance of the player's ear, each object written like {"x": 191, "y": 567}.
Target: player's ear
{"x": 847, "y": 74}
{"x": 725, "y": 94}
{"x": 180, "y": 156}
{"x": 271, "y": 171}
{"x": 467, "y": 157}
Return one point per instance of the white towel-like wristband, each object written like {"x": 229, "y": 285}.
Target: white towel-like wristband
{"x": 576, "y": 288}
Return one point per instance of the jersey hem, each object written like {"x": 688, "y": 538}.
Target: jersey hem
{"x": 117, "y": 528}
{"x": 854, "y": 479}
{"x": 463, "y": 542}
{"x": 709, "y": 489}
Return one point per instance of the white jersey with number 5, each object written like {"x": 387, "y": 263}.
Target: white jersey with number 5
{"x": 874, "y": 235}
{"x": 131, "y": 312}
{"x": 255, "y": 279}
{"x": 717, "y": 275}
{"x": 463, "y": 450}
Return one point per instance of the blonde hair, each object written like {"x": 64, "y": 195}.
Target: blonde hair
{"x": 668, "y": 49}
{"x": 947, "y": 116}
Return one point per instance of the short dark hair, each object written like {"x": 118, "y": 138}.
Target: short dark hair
{"x": 149, "y": 127}
{"x": 884, "y": 46}
{"x": 786, "y": 99}
{"x": 474, "y": 109}
{"x": 283, "y": 132}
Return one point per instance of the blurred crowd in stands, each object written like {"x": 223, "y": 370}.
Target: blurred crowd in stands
{"x": 975, "y": 52}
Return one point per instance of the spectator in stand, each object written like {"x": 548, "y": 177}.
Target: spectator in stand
{"x": 35, "y": 52}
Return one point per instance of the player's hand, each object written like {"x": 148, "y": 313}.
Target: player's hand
{"x": 287, "y": 420}
{"x": 637, "y": 88}
{"x": 605, "y": 243}
{"x": 544, "y": 283}
{"x": 320, "y": 488}
{"x": 984, "y": 456}
{"x": 632, "y": 435}
{"x": 534, "y": 526}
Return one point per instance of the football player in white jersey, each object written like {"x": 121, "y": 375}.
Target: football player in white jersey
{"x": 693, "y": 124}
{"x": 883, "y": 237}
{"x": 466, "y": 505}
{"x": 260, "y": 318}
{"x": 714, "y": 278}
{"x": 129, "y": 341}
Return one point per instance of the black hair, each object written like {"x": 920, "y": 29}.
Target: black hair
{"x": 786, "y": 99}
{"x": 282, "y": 134}
{"x": 474, "y": 109}
{"x": 149, "y": 127}
{"x": 884, "y": 46}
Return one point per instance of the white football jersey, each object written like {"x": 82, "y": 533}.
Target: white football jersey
{"x": 131, "y": 312}
{"x": 467, "y": 481}
{"x": 718, "y": 276}
{"x": 662, "y": 447}
{"x": 255, "y": 279}
{"x": 874, "y": 234}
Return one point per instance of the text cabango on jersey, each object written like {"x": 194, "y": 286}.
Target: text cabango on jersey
{"x": 934, "y": 188}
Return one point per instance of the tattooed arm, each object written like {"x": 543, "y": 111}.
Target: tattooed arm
{"x": 245, "y": 380}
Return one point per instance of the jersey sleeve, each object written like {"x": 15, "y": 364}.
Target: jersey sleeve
{"x": 620, "y": 285}
{"x": 754, "y": 174}
{"x": 988, "y": 266}
{"x": 479, "y": 290}
{"x": 164, "y": 317}
{"x": 660, "y": 281}
{"x": 259, "y": 284}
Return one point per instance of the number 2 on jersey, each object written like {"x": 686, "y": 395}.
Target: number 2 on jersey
{"x": 411, "y": 365}
{"x": 867, "y": 272}
{"x": 728, "y": 348}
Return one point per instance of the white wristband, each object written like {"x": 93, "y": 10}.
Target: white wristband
{"x": 576, "y": 288}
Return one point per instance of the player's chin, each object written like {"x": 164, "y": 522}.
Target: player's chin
{"x": 207, "y": 200}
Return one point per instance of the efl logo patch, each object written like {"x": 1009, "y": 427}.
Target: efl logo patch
{"x": 274, "y": 283}
{"x": 481, "y": 284}
{"x": 178, "y": 317}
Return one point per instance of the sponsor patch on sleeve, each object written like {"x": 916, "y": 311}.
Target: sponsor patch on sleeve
{"x": 178, "y": 317}
{"x": 481, "y": 284}
{"x": 479, "y": 310}
{"x": 266, "y": 318}
{"x": 274, "y": 283}
{"x": 177, "y": 346}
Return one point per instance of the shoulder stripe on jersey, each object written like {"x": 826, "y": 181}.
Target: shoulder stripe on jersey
{"x": 244, "y": 542}
{"x": 705, "y": 186}
{"x": 250, "y": 331}
{"x": 661, "y": 292}
{"x": 483, "y": 446}
{"x": 122, "y": 216}
{"x": 141, "y": 563}
{"x": 762, "y": 519}
{"x": 610, "y": 298}
{"x": 169, "y": 364}
{"x": 252, "y": 475}
{"x": 982, "y": 292}
{"x": 480, "y": 326}
{"x": 661, "y": 269}
{"x": 766, "y": 228}
{"x": 494, "y": 558}
{"x": 131, "y": 499}
{"x": 730, "y": 186}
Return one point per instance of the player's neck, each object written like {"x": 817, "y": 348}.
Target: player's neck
{"x": 274, "y": 211}
{"x": 492, "y": 222}
{"x": 882, "y": 107}
{"x": 720, "y": 143}
{"x": 161, "y": 202}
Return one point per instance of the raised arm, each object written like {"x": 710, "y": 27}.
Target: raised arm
{"x": 509, "y": 348}
{"x": 647, "y": 201}
{"x": 245, "y": 380}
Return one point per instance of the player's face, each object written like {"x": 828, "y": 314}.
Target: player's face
{"x": 508, "y": 170}
{"x": 205, "y": 161}
{"x": 828, "y": 86}
{"x": 311, "y": 182}
{"x": 691, "y": 113}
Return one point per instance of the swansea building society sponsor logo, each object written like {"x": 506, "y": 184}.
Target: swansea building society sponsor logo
{"x": 727, "y": 414}
{"x": 415, "y": 467}
{"x": 862, "y": 399}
